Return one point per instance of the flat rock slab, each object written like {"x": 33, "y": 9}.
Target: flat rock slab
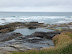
{"x": 21, "y": 47}
{"x": 70, "y": 26}
{"x": 8, "y": 36}
{"x": 46, "y": 35}
{"x": 9, "y": 49}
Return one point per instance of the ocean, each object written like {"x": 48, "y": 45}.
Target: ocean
{"x": 41, "y": 17}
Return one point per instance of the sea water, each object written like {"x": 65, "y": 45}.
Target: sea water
{"x": 42, "y": 17}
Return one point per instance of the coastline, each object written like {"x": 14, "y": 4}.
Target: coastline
{"x": 8, "y": 28}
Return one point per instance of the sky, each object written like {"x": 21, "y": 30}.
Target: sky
{"x": 36, "y": 5}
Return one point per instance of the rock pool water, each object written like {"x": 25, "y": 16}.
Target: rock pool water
{"x": 26, "y": 31}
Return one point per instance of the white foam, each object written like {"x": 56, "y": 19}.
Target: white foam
{"x": 44, "y": 19}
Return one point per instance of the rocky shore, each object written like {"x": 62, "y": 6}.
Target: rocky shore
{"x": 12, "y": 26}
{"x": 11, "y": 41}
{"x": 32, "y": 25}
{"x": 21, "y": 43}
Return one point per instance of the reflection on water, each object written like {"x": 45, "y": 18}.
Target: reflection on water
{"x": 26, "y": 31}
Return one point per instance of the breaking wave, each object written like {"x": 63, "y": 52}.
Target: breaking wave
{"x": 41, "y": 19}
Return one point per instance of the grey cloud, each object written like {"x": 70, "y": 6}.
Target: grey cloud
{"x": 12, "y": 5}
{"x": 34, "y": 2}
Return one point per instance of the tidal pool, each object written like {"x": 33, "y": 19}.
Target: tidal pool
{"x": 26, "y": 31}
{"x": 24, "y": 43}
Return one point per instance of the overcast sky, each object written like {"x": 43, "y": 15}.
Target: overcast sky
{"x": 36, "y": 5}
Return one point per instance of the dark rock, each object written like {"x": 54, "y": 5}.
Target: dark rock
{"x": 7, "y": 30}
{"x": 31, "y": 27}
{"x": 33, "y": 22}
{"x": 39, "y": 36}
{"x": 48, "y": 35}
{"x": 12, "y": 26}
{"x": 8, "y": 36}
{"x": 33, "y": 39}
{"x": 16, "y": 34}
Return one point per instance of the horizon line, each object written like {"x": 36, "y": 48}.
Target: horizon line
{"x": 17, "y": 11}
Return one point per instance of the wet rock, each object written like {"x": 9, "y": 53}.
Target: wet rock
{"x": 37, "y": 40}
{"x": 33, "y": 39}
{"x": 7, "y": 30}
{"x": 16, "y": 34}
{"x": 31, "y": 27}
{"x": 48, "y": 35}
{"x": 34, "y": 25}
{"x": 12, "y": 26}
{"x": 38, "y": 36}
{"x": 8, "y": 36}
{"x": 3, "y": 19}
{"x": 33, "y": 22}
